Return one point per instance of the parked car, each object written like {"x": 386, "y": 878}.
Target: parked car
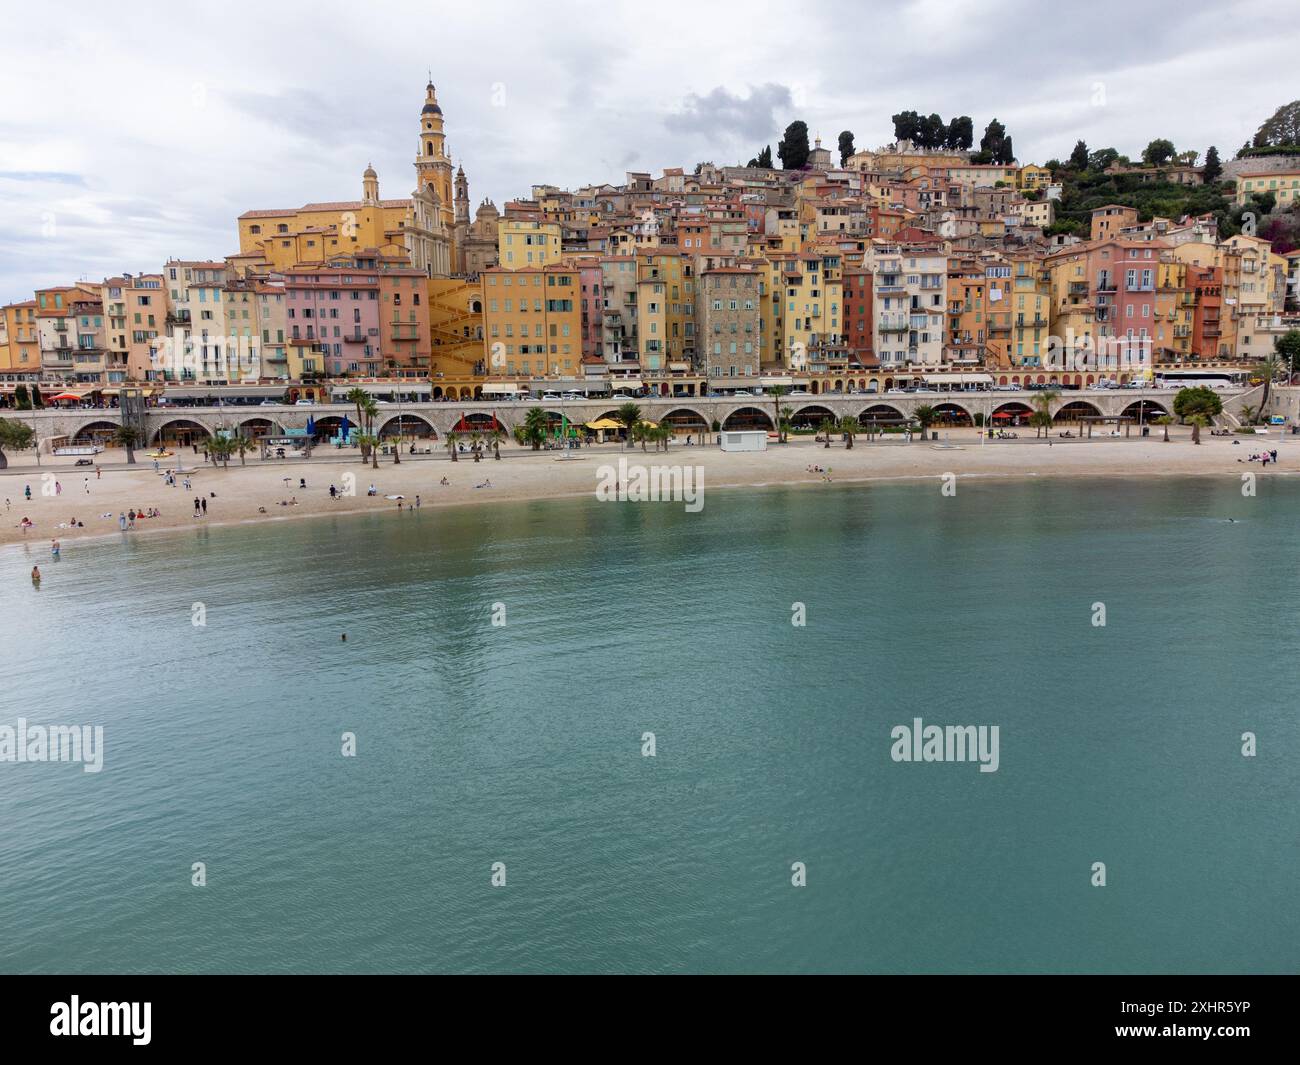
{"x": 305, "y": 403}
{"x": 742, "y": 392}
{"x": 84, "y": 462}
{"x": 799, "y": 392}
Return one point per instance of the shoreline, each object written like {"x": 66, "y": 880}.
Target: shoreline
{"x": 526, "y": 476}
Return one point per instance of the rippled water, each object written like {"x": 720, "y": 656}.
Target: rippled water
{"x": 522, "y": 744}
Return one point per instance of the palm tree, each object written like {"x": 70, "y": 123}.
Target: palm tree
{"x": 129, "y": 437}
{"x": 666, "y": 435}
{"x": 1165, "y": 421}
{"x": 850, "y": 427}
{"x": 450, "y": 443}
{"x": 926, "y": 416}
{"x": 1269, "y": 368}
{"x": 786, "y": 423}
{"x": 1041, "y": 420}
{"x": 629, "y": 414}
{"x": 495, "y": 436}
{"x": 476, "y": 444}
{"x": 221, "y": 447}
{"x": 1198, "y": 422}
{"x": 777, "y": 392}
{"x": 1043, "y": 401}
{"x": 243, "y": 445}
{"x": 641, "y": 432}
{"x": 360, "y": 397}
{"x": 1248, "y": 414}
{"x": 369, "y": 448}
{"x": 535, "y": 426}
{"x": 827, "y": 427}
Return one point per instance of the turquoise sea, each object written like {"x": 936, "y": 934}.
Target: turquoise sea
{"x": 522, "y": 743}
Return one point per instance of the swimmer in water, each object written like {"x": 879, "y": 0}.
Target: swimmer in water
{"x": 36, "y": 574}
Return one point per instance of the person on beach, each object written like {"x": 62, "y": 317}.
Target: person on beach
{"x": 130, "y": 518}
{"x": 86, "y": 480}
{"x": 417, "y": 502}
{"x": 27, "y": 491}
{"x": 98, "y": 473}
{"x": 204, "y": 501}
{"x": 196, "y": 506}
{"x": 333, "y": 492}
{"x": 445, "y": 483}
{"x": 121, "y": 521}
{"x": 54, "y": 548}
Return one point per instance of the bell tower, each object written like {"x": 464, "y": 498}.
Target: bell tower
{"x": 432, "y": 166}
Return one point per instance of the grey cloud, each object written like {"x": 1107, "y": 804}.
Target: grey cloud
{"x": 722, "y": 115}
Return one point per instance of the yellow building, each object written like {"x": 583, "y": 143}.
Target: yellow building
{"x": 532, "y": 320}
{"x": 20, "y": 347}
{"x": 1072, "y": 312}
{"x": 420, "y": 228}
{"x": 524, "y": 243}
{"x": 1029, "y": 299}
{"x": 665, "y": 309}
{"x": 1034, "y": 177}
{"x": 456, "y": 328}
{"x": 1283, "y": 184}
{"x": 1174, "y": 307}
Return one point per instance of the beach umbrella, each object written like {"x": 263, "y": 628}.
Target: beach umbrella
{"x": 311, "y": 425}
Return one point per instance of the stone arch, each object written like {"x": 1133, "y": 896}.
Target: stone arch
{"x": 95, "y": 432}
{"x": 1013, "y": 412}
{"x": 411, "y": 425}
{"x": 258, "y": 427}
{"x": 1145, "y": 409}
{"x": 685, "y": 420}
{"x": 180, "y": 432}
{"x": 881, "y": 411}
{"x": 810, "y": 415}
{"x": 950, "y": 413}
{"x": 748, "y": 417}
{"x": 1072, "y": 411}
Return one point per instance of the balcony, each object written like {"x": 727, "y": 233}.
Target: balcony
{"x": 1078, "y": 288}
{"x": 355, "y": 338}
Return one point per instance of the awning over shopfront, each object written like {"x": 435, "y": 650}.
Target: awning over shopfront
{"x": 958, "y": 378}
{"x": 494, "y": 388}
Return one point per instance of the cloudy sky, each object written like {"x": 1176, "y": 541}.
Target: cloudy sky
{"x": 130, "y": 134}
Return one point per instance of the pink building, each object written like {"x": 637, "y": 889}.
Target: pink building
{"x": 1124, "y": 274}
{"x": 333, "y": 317}
{"x": 592, "y": 313}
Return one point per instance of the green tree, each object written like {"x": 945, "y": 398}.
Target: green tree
{"x": 1287, "y": 347}
{"x": 996, "y": 144}
{"x": 777, "y": 392}
{"x": 243, "y": 445}
{"x": 850, "y": 427}
{"x": 535, "y": 426}
{"x": 765, "y": 157}
{"x": 827, "y": 428}
{"x": 1283, "y": 128}
{"x": 1079, "y": 157}
{"x": 961, "y": 134}
{"x": 359, "y": 397}
{"x": 925, "y": 416}
{"x": 1269, "y": 369}
{"x": 22, "y": 399}
{"x": 129, "y": 437}
{"x": 1102, "y": 158}
{"x": 14, "y": 436}
{"x": 1041, "y": 419}
{"x": 452, "y": 439}
{"x": 221, "y": 447}
{"x": 907, "y": 126}
{"x": 1158, "y": 152}
{"x": 1197, "y": 406}
{"x": 1165, "y": 421}
{"x": 495, "y": 437}
{"x": 642, "y": 432}
{"x": 476, "y": 444}
{"x": 37, "y": 402}
{"x": 793, "y": 149}
{"x": 1248, "y": 414}
{"x": 846, "y": 147}
{"x": 628, "y": 414}
{"x": 1213, "y": 168}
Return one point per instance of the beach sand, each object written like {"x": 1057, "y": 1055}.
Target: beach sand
{"x": 523, "y": 474}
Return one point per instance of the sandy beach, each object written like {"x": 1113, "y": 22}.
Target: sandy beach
{"x": 255, "y": 492}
